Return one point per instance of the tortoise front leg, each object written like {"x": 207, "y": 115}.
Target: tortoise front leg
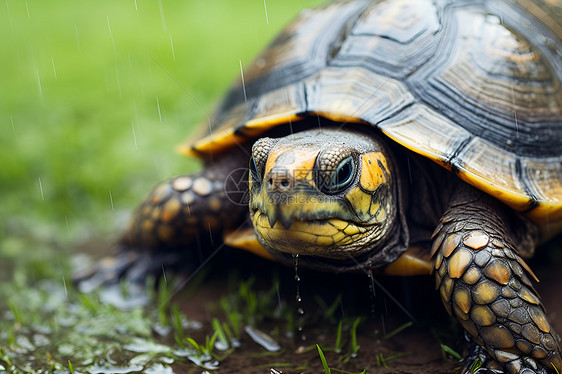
{"x": 486, "y": 286}
{"x": 174, "y": 228}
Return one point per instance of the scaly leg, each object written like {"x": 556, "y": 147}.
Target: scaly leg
{"x": 485, "y": 284}
{"x": 174, "y": 227}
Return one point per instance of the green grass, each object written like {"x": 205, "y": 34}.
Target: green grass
{"x": 77, "y": 77}
{"x": 89, "y": 120}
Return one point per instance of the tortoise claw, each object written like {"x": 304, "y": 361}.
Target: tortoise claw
{"x": 478, "y": 361}
{"x": 132, "y": 266}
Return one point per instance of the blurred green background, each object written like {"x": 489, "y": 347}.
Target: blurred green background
{"x": 88, "y": 118}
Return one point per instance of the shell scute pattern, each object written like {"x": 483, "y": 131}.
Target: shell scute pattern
{"x": 480, "y": 95}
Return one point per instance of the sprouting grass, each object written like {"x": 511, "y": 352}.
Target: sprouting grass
{"x": 397, "y": 330}
{"x": 327, "y": 369}
{"x": 451, "y": 351}
{"x": 221, "y": 334}
{"x": 323, "y": 359}
{"x": 176, "y": 322}
{"x": 354, "y": 345}
{"x": 329, "y": 311}
{"x": 339, "y": 343}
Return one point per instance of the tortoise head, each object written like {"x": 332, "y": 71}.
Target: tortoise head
{"x": 325, "y": 193}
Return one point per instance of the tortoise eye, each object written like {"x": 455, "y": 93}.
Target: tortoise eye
{"x": 343, "y": 175}
{"x": 339, "y": 178}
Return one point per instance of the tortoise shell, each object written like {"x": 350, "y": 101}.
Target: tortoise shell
{"x": 475, "y": 86}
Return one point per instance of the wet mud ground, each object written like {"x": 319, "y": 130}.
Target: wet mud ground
{"x": 416, "y": 349}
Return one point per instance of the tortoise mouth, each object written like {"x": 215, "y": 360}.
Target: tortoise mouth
{"x": 330, "y": 237}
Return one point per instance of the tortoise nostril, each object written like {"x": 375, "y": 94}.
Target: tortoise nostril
{"x": 284, "y": 183}
{"x": 270, "y": 182}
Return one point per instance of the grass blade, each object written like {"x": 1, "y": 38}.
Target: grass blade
{"x": 323, "y": 359}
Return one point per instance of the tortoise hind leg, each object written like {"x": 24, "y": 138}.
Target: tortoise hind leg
{"x": 486, "y": 286}
{"x": 174, "y": 228}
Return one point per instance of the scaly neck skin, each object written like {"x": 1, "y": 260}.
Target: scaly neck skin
{"x": 328, "y": 193}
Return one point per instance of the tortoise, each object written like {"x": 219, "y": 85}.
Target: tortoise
{"x": 402, "y": 137}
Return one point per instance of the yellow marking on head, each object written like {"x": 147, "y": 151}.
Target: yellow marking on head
{"x": 374, "y": 208}
{"x": 298, "y": 163}
{"x": 360, "y": 201}
{"x": 305, "y": 237}
{"x": 372, "y": 175}
{"x": 381, "y": 215}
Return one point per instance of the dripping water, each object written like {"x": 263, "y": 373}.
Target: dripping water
{"x": 372, "y": 293}
{"x": 300, "y": 337}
